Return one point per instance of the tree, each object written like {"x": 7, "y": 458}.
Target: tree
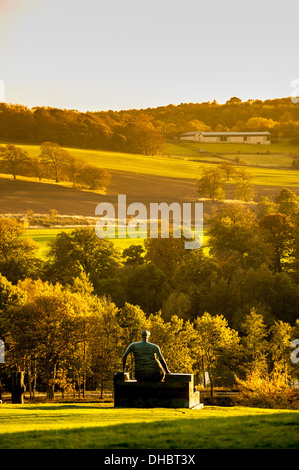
{"x": 146, "y": 285}
{"x": 105, "y": 343}
{"x": 279, "y": 346}
{"x": 288, "y": 202}
{"x": 37, "y": 167}
{"x": 276, "y": 293}
{"x": 17, "y": 252}
{"x": 215, "y": 346}
{"x": 134, "y": 255}
{"x": 244, "y": 187}
{"x": 235, "y": 239}
{"x": 266, "y": 206}
{"x": 132, "y": 320}
{"x": 177, "y": 303}
{"x": 175, "y": 337}
{"x": 279, "y": 233}
{"x": 13, "y": 158}
{"x": 82, "y": 251}
{"x": 48, "y": 330}
{"x": 254, "y": 341}
{"x": 72, "y": 168}
{"x": 93, "y": 177}
{"x": 195, "y": 277}
{"x": 211, "y": 183}
{"x": 10, "y": 296}
{"x": 228, "y": 169}
{"x": 55, "y": 157}
{"x": 166, "y": 253}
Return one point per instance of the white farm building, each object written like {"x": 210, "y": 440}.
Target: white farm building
{"x": 229, "y": 137}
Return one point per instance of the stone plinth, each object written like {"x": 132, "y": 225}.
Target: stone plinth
{"x": 176, "y": 391}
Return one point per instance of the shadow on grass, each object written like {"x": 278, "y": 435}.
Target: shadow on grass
{"x": 65, "y": 406}
{"x": 272, "y": 431}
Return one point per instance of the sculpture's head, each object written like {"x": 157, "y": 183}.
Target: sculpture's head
{"x": 145, "y": 334}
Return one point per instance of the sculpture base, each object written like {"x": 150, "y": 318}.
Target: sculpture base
{"x": 176, "y": 391}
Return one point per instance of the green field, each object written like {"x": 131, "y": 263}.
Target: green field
{"x": 186, "y": 166}
{"x": 87, "y": 426}
{"x": 263, "y": 160}
{"x": 44, "y": 236}
{"x": 190, "y": 148}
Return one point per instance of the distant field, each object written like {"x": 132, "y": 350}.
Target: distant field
{"x": 44, "y": 236}
{"x": 189, "y": 148}
{"x": 264, "y": 160}
{"x": 186, "y": 167}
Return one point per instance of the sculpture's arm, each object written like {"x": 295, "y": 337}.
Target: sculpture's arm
{"x": 125, "y": 357}
{"x": 162, "y": 361}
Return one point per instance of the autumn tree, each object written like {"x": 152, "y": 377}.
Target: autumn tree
{"x": 72, "y": 167}
{"x": 211, "y": 183}
{"x": 54, "y": 157}
{"x": 175, "y": 338}
{"x": 36, "y": 166}
{"x": 47, "y": 331}
{"x": 93, "y": 177}
{"x": 279, "y": 347}
{"x": 82, "y": 251}
{"x": 133, "y": 255}
{"x": 177, "y": 303}
{"x": 132, "y": 320}
{"x": 279, "y": 234}
{"x": 215, "y": 346}
{"x": 235, "y": 239}
{"x": 255, "y": 342}
{"x": 288, "y": 202}
{"x": 146, "y": 285}
{"x": 10, "y": 295}
{"x": 244, "y": 187}
{"x": 17, "y": 252}
{"x": 228, "y": 169}
{"x": 105, "y": 345}
{"x": 266, "y": 206}
{"x": 13, "y": 158}
{"x": 166, "y": 253}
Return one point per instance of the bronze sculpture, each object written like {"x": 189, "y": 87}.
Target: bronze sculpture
{"x": 150, "y": 366}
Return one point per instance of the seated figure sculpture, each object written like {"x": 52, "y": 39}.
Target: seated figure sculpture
{"x": 150, "y": 366}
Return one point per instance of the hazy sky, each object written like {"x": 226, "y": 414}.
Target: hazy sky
{"x": 121, "y": 54}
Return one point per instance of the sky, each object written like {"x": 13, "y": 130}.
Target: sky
{"x": 94, "y": 55}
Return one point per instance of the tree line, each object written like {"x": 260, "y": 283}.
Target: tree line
{"x": 144, "y": 131}
{"x": 67, "y": 338}
{"x": 83, "y": 294}
{"x": 55, "y": 163}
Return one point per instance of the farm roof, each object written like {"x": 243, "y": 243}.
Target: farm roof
{"x": 214, "y": 134}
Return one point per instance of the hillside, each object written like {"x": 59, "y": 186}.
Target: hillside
{"x": 168, "y": 177}
{"x": 145, "y": 130}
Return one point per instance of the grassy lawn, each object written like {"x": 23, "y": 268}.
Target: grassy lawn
{"x": 88, "y": 426}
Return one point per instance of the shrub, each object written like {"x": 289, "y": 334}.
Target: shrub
{"x": 261, "y": 391}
